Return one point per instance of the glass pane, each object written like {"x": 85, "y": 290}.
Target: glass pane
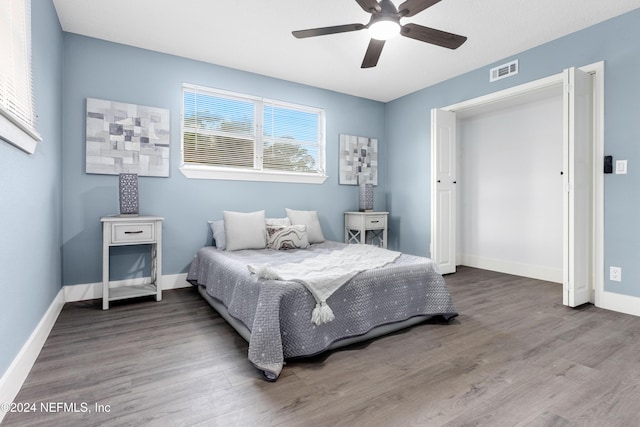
{"x": 216, "y": 113}
{"x": 216, "y": 150}
{"x": 290, "y": 139}
{"x": 218, "y": 131}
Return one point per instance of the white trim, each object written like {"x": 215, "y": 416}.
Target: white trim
{"x": 597, "y": 70}
{"x": 505, "y": 94}
{"x": 243, "y": 97}
{"x": 516, "y": 268}
{"x": 209, "y": 172}
{"x": 221, "y": 92}
{"x": 87, "y": 291}
{"x": 18, "y": 135}
{"x": 621, "y": 303}
{"x": 12, "y": 380}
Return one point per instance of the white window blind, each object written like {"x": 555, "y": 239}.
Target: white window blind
{"x": 17, "y": 111}
{"x": 232, "y": 132}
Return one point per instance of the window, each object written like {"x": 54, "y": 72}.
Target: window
{"x": 232, "y": 136}
{"x": 17, "y": 112}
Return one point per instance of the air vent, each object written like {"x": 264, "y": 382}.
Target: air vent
{"x": 504, "y": 70}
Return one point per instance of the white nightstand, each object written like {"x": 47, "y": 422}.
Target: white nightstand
{"x": 357, "y": 224}
{"x": 123, "y": 230}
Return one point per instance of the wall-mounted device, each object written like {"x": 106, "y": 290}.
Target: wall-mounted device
{"x": 621, "y": 167}
{"x": 608, "y": 164}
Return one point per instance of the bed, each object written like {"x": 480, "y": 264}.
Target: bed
{"x": 275, "y": 316}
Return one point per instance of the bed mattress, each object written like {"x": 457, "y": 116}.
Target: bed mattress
{"x": 278, "y": 313}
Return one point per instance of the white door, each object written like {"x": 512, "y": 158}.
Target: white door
{"x": 443, "y": 190}
{"x": 578, "y": 202}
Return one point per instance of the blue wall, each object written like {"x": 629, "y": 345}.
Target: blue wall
{"x": 99, "y": 69}
{"x": 30, "y": 193}
{"x": 408, "y": 137}
{"x": 50, "y": 237}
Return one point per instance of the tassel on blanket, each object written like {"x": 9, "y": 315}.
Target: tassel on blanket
{"x": 322, "y": 314}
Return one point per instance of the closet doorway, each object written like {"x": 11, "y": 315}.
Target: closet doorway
{"x": 575, "y": 190}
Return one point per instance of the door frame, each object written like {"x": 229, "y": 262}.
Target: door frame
{"x": 597, "y": 71}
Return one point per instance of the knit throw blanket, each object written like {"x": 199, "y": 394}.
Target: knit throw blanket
{"x": 326, "y": 273}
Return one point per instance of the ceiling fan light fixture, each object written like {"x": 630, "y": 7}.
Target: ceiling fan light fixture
{"x": 384, "y": 24}
{"x": 384, "y": 29}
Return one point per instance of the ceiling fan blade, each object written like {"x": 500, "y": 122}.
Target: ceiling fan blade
{"x": 373, "y": 53}
{"x": 433, "y": 36}
{"x": 369, "y": 5}
{"x": 301, "y": 34}
{"x": 412, "y": 7}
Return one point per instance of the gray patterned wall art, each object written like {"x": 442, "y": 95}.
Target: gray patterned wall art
{"x": 358, "y": 155}
{"x": 127, "y": 138}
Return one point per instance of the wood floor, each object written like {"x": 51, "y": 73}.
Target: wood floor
{"x": 514, "y": 357}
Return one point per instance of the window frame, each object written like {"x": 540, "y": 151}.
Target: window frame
{"x": 195, "y": 171}
{"x": 13, "y": 130}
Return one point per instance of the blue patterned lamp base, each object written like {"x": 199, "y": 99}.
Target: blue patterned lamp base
{"x": 128, "y": 194}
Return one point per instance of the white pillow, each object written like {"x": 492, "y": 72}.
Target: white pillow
{"x": 310, "y": 219}
{"x": 245, "y": 230}
{"x": 217, "y": 228}
{"x": 278, "y": 221}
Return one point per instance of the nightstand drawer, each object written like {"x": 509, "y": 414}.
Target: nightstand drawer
{"x": 376, "y": 221}
{"x": 125, "y": 233}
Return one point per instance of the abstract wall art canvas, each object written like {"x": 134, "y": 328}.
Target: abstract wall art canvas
{"x": 358, "y": 155}
{"x": 127, "y": 138}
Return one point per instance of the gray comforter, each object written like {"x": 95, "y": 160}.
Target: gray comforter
{"x": 278, "y": 313}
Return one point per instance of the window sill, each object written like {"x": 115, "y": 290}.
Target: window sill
{"x": 207, "y": 172}
{"x": 17, "y": 136}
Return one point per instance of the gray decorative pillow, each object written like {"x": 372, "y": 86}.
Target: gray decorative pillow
{"x": 287, "y": 237}
{"x": 244, "y": 230}
{"x": 310, "y": 219}
{"x": 217, "y": 228}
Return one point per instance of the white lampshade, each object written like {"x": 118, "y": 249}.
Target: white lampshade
{"x": 384, "y": 29}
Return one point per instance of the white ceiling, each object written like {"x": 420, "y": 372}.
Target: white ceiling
{"x": 255, "y": 36}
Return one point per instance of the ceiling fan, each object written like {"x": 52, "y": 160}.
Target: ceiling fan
{"x": 385, "y": 23}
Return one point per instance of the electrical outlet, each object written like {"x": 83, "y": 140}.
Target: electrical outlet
{"x": 621, "y": 167}
{"x": 615, "y": 274}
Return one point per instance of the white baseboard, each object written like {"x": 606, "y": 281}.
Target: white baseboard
{"x": 519, "y": 269}
{"x": 12, "y": 380}
{"x": 89, "y": 291}
{"x": 620, "y": 303}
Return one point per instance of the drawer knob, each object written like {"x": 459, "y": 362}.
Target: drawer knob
{"x": 133, "y": 232}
